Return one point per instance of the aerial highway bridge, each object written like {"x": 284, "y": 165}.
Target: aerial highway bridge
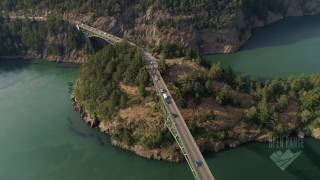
{"x": 174, "y": 120}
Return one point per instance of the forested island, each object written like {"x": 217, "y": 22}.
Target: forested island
{"x": 222, "y": 109}
{"x": 114, "y": 92}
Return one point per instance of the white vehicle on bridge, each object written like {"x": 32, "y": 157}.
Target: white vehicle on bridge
{"x": 166, "y": 97}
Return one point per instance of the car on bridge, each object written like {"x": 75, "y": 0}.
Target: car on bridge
{"x": 162, "y": 90}
{"x": 174, "y": 115}
{"x": 198, "y": 163}
{"x": 166, "y": 97}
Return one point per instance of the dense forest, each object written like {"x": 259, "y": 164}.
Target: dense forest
{"x": 98, "y": 85}
{"x": 53, "y": 37}
{"x": 271, "y": 97}
{"x": 220, "y": 12}
{"x": 98, "y": 92}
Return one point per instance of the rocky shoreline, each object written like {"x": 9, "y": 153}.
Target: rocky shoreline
{"x": 157, "y": 154}
{"x": 74, "y": 58}
{"x": 173, "y": 154}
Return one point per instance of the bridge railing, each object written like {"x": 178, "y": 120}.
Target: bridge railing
{"x": 170, "y": 124}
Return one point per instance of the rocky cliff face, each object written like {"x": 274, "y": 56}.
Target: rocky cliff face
{"x": 58, "y": 41}
{"x": 73, "y": 56}
{"x": 181, "y": 29}
{"x": 54, "y": 40}
{"x": 230, "y": 28}
{"x": 235, "y": 37}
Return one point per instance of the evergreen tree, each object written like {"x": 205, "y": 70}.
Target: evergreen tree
{"x": 162, "y": 65}
{"x": 216, "y": 72}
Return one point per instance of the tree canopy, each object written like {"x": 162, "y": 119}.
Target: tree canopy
{"x": 98, "y": 85}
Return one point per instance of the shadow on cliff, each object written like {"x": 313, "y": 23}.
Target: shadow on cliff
{"x": 289, "y": 31}
{"x": 98, "y": 43}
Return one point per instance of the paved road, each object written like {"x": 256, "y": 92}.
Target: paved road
{"x": 183, "y": 131}
{"x": 186, "y": 137}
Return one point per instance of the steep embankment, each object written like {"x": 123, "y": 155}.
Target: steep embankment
{"x": 54, "y": 40}
{"x": 205, "y": 26}
{"x": 251, "y": 16}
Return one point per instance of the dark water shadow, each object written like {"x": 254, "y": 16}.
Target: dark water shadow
{"x": 7, "y": 65}
{"x": 76, "y": 129}
{"x": 285, "y": 32}
{"x": 81, "y": 129}
{"x": 312, "y": 156}
{"x": 296, "y": 169}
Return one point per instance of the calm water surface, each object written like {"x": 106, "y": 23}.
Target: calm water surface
{"x": 289, "y": 47}
{"x": 41, "y": 137}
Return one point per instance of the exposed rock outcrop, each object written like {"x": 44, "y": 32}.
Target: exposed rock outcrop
{"x": 75, "y": 57}
{"x": 156, "y": 26}
{"x": 231, "y": 39}
{"x": 316, "y": 133}
{"x": 169, "y": 153}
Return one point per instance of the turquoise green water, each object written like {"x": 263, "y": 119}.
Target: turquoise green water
{"x": 285, "y": 48}
{"x": 41, "y": 137}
